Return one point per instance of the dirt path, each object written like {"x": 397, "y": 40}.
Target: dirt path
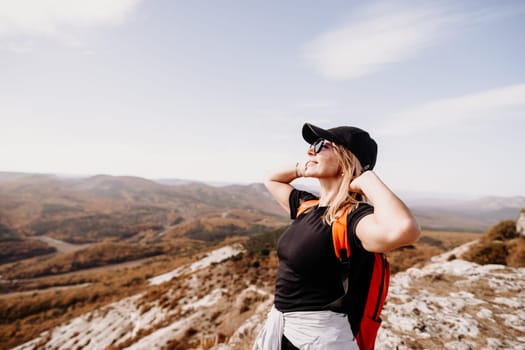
{"x": 106, "y": 268}
{"x": 37, "y": 291}
{"x": 91, "y": 270}
{"x": 61, "y": 246}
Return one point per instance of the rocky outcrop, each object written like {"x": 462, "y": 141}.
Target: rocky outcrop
{"x": 520, "y": 223}
{"x": 221, "y": 304}
{"x": 455, "y": 305}
{"x": 450, "y": 304}
{"x": 187, "y": 301}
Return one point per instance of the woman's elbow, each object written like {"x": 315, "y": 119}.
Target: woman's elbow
{"x": 409, "y": 232}
{"x": 270, "y": 182}
{"x": 405, "y": 233}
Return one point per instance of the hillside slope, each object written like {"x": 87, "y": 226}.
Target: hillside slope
{"x": 127, "y": 209}
{"x": 197, "y": 304}
{"x": 447, "y": 304}
{"x": 220, "y": 303}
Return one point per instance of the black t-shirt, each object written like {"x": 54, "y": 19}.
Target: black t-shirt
{"x": 309, "y": 273}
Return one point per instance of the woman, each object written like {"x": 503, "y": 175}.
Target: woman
{"x": 309, "y": 274}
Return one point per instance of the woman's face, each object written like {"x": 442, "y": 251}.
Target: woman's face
{"x": 324, "y": 163}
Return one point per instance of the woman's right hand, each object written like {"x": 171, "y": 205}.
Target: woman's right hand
{"x": 300, "y": 169}
{"x": 278, "y": 183}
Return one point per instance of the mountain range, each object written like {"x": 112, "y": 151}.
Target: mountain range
{"x": 33, "y": 204}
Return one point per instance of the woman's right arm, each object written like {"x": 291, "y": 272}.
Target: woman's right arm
{"x": 278, "y": 184}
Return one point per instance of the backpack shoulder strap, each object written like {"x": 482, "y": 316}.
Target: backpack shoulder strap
{"x": 306, "y": 205}
{"x": 342, "y": 252}
{"x": 340, "y": 236}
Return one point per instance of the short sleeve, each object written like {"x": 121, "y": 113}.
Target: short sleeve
{"x": 297, "y": 197}
{"x": 362, "y": 210}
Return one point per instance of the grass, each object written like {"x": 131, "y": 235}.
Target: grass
{"x": 430, "y": 243}
{"x": 500, "y": 244}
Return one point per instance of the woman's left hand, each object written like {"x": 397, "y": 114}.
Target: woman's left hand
{"x": 356, "y": 184}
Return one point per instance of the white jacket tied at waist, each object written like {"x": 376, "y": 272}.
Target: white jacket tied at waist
{"x": 307, "y": 330}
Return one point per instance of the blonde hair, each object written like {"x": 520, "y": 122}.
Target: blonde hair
{"x": 350, "y": 168}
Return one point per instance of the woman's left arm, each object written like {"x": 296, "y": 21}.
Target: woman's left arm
{"x": 392, "y": 225}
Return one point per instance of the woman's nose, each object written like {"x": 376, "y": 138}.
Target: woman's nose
{"x": 310, "y": 151}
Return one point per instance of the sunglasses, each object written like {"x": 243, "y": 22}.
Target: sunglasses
{"x": 319, "y": 145}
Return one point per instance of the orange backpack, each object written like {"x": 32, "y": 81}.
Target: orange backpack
{"x": 368, "y": 326}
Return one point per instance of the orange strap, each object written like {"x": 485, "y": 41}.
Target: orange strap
{"x": 339, "y": 228}
{"x": 306, "y": 205}
{"x": 340, "y": 234}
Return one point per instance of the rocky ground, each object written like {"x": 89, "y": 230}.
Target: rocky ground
{"x": 448, "y": 304}
{"x": 220, "y": 303}
{"x": 454, "y": 304}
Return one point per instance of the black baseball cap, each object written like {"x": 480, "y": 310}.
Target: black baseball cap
{"x": 353, "y": 139}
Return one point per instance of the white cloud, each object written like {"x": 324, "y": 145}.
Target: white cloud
{"x": 383, "y": 34}
{"x": 55, "y": 19}
{"x": 494, "y": 103}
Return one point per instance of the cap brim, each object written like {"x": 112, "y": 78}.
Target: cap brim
{"x": 312, "y": 133}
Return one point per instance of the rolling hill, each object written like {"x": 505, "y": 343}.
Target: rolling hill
{"x": 126, "y": 208}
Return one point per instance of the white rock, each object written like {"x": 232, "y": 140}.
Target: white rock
{"x": 484, "y": 313}
{"x": 515, "y": 321}
{"x": 215, "y": 256}
{"x": 508, "y": 302}
{"x": 493, "y": 343}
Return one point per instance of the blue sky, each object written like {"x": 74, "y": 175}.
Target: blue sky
{"x": 219, "y": 90}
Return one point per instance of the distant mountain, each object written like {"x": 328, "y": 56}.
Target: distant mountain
{"x": 91, "y": 209}
{"x": 5, "y": 176}
{"x": 495, "y": 203}
{"x": 176, "y": 182}
{"x": 28, "y": 200}
{"x": 471, "y": 215}
{"x": 173, "y": 182}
